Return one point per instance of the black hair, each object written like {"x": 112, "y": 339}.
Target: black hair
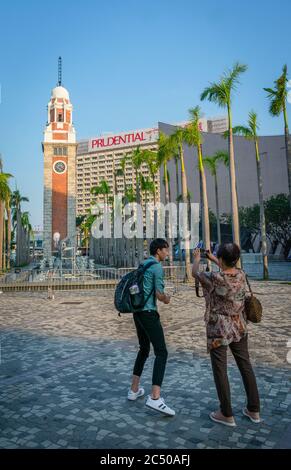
{"x": 230, "y": 253}
{"x": 158, "y": 244}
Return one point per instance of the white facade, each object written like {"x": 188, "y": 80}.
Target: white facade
{"x": 99, "y": 158}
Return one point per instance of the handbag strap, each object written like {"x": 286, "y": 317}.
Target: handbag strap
{"x": 249, "y": 286}
{"x": 197, "y": 288}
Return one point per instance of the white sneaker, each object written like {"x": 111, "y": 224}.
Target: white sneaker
{"x": 159, "y": 405}
{"x": 134, "y": 395}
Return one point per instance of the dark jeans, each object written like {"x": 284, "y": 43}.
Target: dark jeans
{"x": 149, "y": 330}
{"x": 219, "y": 367}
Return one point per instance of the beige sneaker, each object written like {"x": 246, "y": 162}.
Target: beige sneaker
{"x": 217, "y": 417}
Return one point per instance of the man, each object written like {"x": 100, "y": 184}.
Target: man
{"x": 149, "y": 330}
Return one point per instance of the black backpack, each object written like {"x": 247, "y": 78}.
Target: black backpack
{"x": 129, "y": 293}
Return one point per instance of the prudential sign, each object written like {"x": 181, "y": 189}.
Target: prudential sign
{"x": 124, "y": 139}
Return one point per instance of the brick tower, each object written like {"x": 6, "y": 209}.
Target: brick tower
{"x": 59, "y": 152}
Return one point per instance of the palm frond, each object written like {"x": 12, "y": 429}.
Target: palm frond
{"x": 232, "y": 76}
{"x": 210, "y": 164}
{"x": 195, "y": 113}
{"x": 244, "y": 131}
{"x": 215, "y": 93}
{"x": 278, "y": 95}
{"x": 253, "y": 122}
{"x": 222, "y": 156}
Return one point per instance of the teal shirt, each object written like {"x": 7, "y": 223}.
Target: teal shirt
{"x": 153, "y": 277}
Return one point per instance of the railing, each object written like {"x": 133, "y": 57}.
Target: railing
{"x": 101, "y": 278}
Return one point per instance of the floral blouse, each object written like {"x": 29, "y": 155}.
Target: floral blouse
{"x": 225, "y": 312}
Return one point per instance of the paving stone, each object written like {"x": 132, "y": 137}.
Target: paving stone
{"x": 71, "y": 388}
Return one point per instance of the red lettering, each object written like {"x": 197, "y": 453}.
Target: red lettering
{"x": 139, "y": 136}
{"x": 120, "y": 139}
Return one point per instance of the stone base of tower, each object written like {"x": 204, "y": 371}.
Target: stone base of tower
{"x": 59, "y": 195}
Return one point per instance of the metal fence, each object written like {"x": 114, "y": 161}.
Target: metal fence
{"x": 100, "y": 278}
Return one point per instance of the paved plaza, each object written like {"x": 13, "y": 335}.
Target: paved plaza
{"x": 66, "y": 366}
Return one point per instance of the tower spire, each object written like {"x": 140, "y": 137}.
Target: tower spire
{"x": 60, "y": 71}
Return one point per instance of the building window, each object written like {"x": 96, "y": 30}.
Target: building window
{"x": 60, "y": 151}
{"x": 60, "y": 117}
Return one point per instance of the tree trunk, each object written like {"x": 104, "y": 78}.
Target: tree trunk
{"x": 18, "y": 236}
{"x": 178, "y": 203}
{"x": 233, "y": 193}
{"x": 217, "y": 210}
{"x": 138, "y": 242}
{"x": 185, "y": 201}
{"x": 288, "y": 151}
{"x": 8, "y": 236}
{"x": 168, "y": 226}
{"x": 201, "y": 208}
{"x": 262, "y": 214}
{"x": 4, "y": 242}
{"x": 1, "y": 232}
{"x": 205, "y": 219}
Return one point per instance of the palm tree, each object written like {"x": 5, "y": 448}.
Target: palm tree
{"x": 102, "y": 190}
{"x": 150, "y": 158}
{"x": 25, "y": 228}
{"x": 85, "y": 227}
{"x": 211, "y": 163}
{"x": 177, "y": 158}
{"x": 278, "y": 99}
{"x": 4, "y": 195}
{"x": 250, "y": 133}
{"x": 147, "y": 187}
{"x": 166, "y": 151}
{"x": 8, "y": 211}
{"x": 123, "y": 162}
{"x": 16, "y": 200}
{"x": 25, "y": 221}
{"x": 221, "y": 93}
{"x": 137, "y": 159}
{"x": 15, "y": 203}
{"x": 192, "y": 136}
{"x": 176, "y": 140}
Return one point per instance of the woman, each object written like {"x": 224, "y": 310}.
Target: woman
{"x": 226, "y": 325}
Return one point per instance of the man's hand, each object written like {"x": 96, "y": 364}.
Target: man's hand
{"x": 163, "y": 297}
{"x": 167, "y": 299}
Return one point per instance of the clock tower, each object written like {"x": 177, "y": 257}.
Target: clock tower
{"x": 59, "y": 152}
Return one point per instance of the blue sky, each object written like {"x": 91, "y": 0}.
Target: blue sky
{"x": 128, "y": 64}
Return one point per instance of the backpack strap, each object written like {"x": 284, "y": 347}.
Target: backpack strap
{"x": 145, "y": 267}
{"x": 151, "y": 292}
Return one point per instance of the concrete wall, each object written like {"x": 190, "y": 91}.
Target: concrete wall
{"x": 274, "y": 169}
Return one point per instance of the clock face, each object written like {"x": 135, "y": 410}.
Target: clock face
{"x": 60, "y": 167}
